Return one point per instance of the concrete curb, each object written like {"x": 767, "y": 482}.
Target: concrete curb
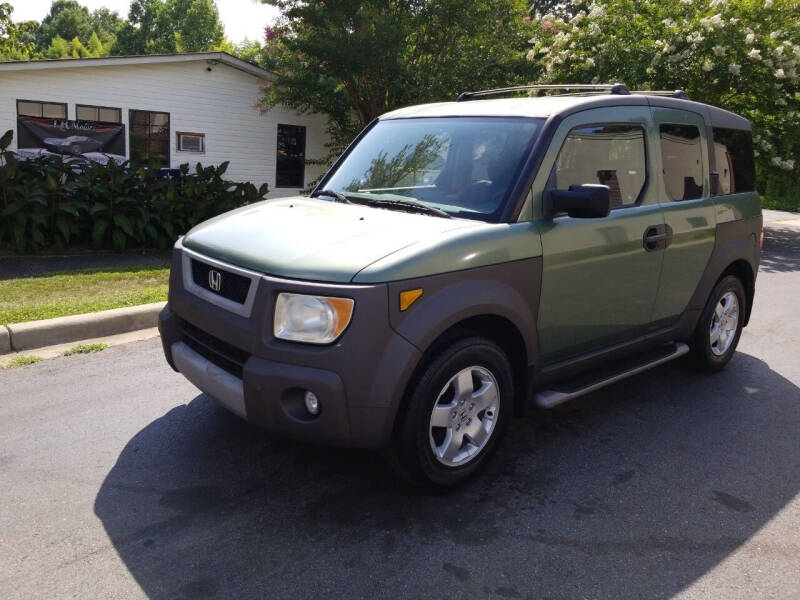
{"x": 5, "y": 340}
{"x": 61, "y": 330}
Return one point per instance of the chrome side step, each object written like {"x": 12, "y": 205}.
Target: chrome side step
{"x": 554, "y": 397}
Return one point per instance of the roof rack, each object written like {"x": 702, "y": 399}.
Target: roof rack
{"x": 598, "y": 88}
{"x": 582, "y": 88}
{"x": 682, "y": 95}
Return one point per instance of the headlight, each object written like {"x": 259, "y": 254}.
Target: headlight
{"x": 311, "y": 319}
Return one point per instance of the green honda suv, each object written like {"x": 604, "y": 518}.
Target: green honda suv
{"x": 462, "y": 261}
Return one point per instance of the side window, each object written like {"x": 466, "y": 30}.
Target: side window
{"x": 682, "y": 161}
{"x": 612, "y": 155}
{"x": 733, "y": 153}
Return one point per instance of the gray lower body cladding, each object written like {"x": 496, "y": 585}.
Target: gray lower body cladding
{"x": 236, "y": 359}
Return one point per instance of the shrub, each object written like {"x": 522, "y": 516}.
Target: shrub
{"x": 51, "y": 202}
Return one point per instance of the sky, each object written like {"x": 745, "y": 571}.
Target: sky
{"x": 241, "y": 18}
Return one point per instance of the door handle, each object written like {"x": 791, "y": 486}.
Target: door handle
{"x": 657, "y": 237}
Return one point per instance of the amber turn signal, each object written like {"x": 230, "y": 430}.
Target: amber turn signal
{"x": 408, "y": 298}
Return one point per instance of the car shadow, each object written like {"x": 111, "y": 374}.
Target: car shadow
{"x": 781, "y": 253}
{"x": 634, "y": 491}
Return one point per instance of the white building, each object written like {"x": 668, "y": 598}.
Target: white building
{"x": 185, "y": 108}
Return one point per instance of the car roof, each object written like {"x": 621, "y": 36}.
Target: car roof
{"x": 563, "y": 105}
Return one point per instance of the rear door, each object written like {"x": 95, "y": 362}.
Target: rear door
{"x": 684, "y": 192}
{"x": 599, "y": 277}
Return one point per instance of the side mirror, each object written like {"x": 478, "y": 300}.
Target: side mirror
{"x": 585, "y": 201}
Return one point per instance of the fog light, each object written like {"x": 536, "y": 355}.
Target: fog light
{"x": 312, "y": 403}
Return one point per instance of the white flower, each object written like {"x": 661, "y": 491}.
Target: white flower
{"x": 750, "y": 39}
{"x": 596, "y": 11}
{"x": 687, "y": 2}
{"x": 734, "y": 69}
{"x": 787, "y": 165}
{"x": 776, "y": 161}
{"x": 707, "y": 65}
{"x": 590, "y": 62}
{"x": 719, "y": 51}
{"x": 780, "y": 102}
{"x": 780, "y": 74}
{"x": 594, "y": 29}
{"x": 716, "y": 3}
{"x": 775, "y": 35}
{"x": 778, "y": 51}
{"x": 733, "y": 20}
{"x": 669, "y": 23}
{"x": 767, "y": 3}
{"x": 756, "y": 153}
{"x": 755, "y": 54}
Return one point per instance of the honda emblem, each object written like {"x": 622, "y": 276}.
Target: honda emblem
{"x": 215, "y": 280}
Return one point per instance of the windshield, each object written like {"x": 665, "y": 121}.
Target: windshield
{"x": 461, "y": 165}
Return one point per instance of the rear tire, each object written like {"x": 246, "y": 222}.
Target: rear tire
{"x": 455, "y": 415}
{"x": 717, "y": 332}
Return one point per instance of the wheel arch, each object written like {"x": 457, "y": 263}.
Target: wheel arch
{"x": 744, "y": 272}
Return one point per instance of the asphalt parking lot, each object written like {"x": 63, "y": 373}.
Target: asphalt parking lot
{"x": 119, "y": 480}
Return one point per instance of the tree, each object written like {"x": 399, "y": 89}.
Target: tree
{"x": 66, "y": 19}
{"x": 353, "y": 60}
{"x": 156, "y": 26}
{"x": 16, "y": 39}
{"x": 742, "y": 55}
{"x": 58, "y": 48}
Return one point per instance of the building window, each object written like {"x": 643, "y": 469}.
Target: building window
{"x": 103, "y": 114}
{"x": 612, "y": 155}
{"x": 733, "y": 155}
{"x": 291, "y": 161}
{"x": 149, "y": 136}
{"x": 682, "y": 161}
{"x": 191, "y": 142}
{"x": 34, "y": 108}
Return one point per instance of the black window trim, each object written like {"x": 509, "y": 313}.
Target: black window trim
{"x": 64, "y": 104}
{"x": 169, "y": 128}
{"x": 645, "y": 184}
{"x": 97, "y": 106}
{"x": 305, "y": 146}
{"x": 703, "y": 163}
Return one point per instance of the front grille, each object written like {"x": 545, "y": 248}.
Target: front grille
{"x": 226, "y": 357}
{"x": 231, "y": 285}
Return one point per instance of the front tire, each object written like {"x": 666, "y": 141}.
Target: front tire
{"x": 720, "y": 326}
{"x": 455, "y": 414}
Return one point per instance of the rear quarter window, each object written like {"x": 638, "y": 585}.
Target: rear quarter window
{"x": 733, "y": 151}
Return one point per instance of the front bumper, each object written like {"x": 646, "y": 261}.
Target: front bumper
{"x": 235, "y": 359}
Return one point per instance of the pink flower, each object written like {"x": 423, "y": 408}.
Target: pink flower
{"x": 547, "y": 25}
{"x": 526, "y": 20}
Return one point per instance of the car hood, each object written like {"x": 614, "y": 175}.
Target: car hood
{"x": 313, "y": 239}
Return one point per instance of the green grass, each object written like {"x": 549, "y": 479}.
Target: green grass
{"x": 75, "y": 292}
{"x": 22, "y": 360}
{"x": 86, "y": 349}
{"x": 780, "y": 204}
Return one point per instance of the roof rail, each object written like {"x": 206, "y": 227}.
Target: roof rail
{"x": 668, "y": 93}
{"x": 597, "y": 88}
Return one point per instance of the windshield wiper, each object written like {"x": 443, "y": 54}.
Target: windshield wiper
{"x": 332, "y": 194}
{"x": 408, "y": 205}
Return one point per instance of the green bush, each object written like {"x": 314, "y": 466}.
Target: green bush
{"x": 48, "y": 202}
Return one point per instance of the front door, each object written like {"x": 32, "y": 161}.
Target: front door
{"x": 599, "y": 276}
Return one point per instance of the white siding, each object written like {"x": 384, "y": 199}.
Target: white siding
{"x": 221, "y": 103}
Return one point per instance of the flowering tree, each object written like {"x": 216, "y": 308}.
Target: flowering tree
{"x": 742, "y": 55}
